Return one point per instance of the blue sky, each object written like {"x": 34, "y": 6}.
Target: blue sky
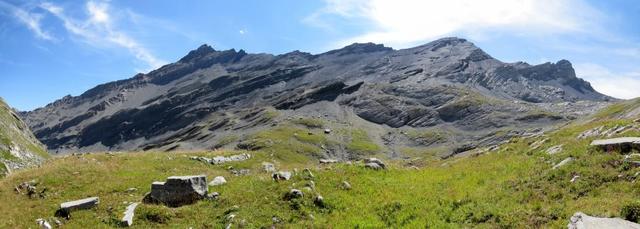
{"x": 49, "y": 49}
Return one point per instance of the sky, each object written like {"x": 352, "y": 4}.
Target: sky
{"x": 49, "y": 49}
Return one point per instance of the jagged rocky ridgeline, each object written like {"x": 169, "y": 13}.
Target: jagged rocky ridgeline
{"x": 198, "y": 102}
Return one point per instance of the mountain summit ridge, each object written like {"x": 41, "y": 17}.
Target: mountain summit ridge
{"x": 448, "y": 84}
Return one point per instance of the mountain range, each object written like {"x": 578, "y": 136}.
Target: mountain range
{"x": 447, "y": 94}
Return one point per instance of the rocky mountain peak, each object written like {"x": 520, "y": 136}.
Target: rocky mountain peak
{"x": 201, "y": 51}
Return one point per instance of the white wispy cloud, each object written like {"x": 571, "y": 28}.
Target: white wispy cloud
{"x": 623, "y": 85}
{"x": 98, "y": 30}
{"x": 30, "y": 20}
{"x": 402, "y": 23}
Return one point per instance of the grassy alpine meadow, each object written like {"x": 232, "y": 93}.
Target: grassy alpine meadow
{"x": 514, "y": 186}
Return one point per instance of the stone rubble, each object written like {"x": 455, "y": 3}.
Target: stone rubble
{"x": 222, "y": 159}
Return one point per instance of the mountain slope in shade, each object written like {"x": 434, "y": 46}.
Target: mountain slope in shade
{"x": 447, "y": 94}
{"x": 18, "y": 147}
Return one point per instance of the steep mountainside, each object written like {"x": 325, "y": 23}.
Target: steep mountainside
{"x": 18, "y": 147}
{"x": 447, "y": 94}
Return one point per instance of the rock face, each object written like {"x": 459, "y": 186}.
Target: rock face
{"x": 209, "y": 94}
{"x": 583, "y": 221}
{"x": 178, "y": 190}
{"x": 18, "y": 147}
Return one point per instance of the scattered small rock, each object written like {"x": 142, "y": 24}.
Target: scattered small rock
{"x": 374, "y": 163}
{"x": 222, "y": 159}
{"x": 282, "y": 175}
{"x": 373, "y": 166}
{"x": 311, "y": 185}
{"x": 29, "y": 189}
{"x": 554, "y": 149}
{"x": 563, "y": 162}
{"x": 213, "y": 195}
{"x": 127, "y": 220}
{"x": 268, "y": 167}
{"x": 293, "y": 194}
{"x": 132, "y": 189}
{"x": 319, "y": 201}
{"x": 590, "y": 133}
{"x": 346, "y": 185}
{"x": 219, "y": 180}
{"x": 328, "y": 161}
{"x": 575, "y": 178}
{"x": 240, "y": 172}
{"x": 538, "y": 143}
{"x": 307, "y": 173}
{"x": 43, "y": 224}
{"x": 275, "y": 219}
{"x": 327, "y": 131}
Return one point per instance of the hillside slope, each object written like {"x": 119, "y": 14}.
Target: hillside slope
{"x": 18, "y": 147}
{"x": 211, "y": 97}
{"x": 517, "y": 185}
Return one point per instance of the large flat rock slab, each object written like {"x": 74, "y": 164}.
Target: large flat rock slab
{"x": 584, "y": 221}
{"x": 178, "y": 190}
{"x": 67, "y": 207}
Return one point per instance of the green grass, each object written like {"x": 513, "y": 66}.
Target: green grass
{"x": 361, "y": 144}
{"x": 287, "y": 143}
{"x": 228, "y": 139}
{"x": 427, "y": 137}
{"x": 513, "y": 187}
{"x": 309, "y": 122}
{"x": 617, "y": 109}
{"x": 3, "y": 169}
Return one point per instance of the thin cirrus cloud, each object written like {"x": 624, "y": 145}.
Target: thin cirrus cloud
{"x": 98, "y": 29}
{"x": 405, "y": 23}
{"x": 30, "y": 20}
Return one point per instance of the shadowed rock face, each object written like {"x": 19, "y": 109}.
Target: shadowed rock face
{"x": 188, "y": 104}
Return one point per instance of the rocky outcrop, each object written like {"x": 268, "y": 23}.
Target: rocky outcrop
{"x": 19, "y": 148}
{"x": 178, "y": 190}
{"x": 580, "y": 220}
